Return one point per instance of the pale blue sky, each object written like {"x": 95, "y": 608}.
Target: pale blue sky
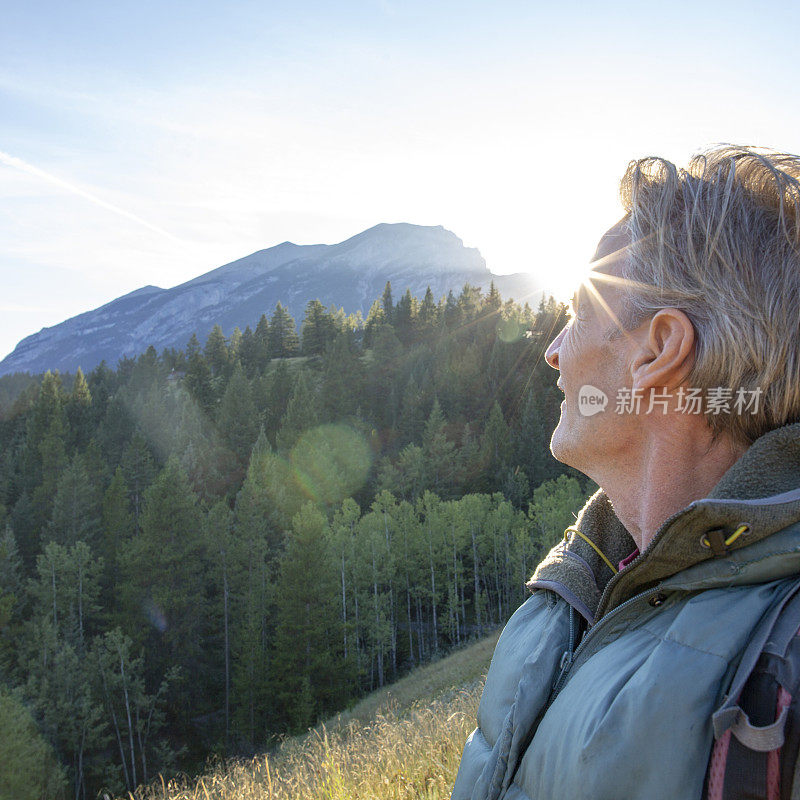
{"x": 195, "y": 133}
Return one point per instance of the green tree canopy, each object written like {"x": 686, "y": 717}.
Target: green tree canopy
{"x": 283, "y": 339}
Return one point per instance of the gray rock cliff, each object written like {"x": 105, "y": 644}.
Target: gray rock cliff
{"x": 351, "y": 274}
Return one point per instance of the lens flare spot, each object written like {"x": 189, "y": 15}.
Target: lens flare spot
{"x": 155, "y": 615}
{"x": 509, "y": 330}
{"x": 331, "y": 462}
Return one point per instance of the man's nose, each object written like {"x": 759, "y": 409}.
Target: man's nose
{"x": 551, "y": 354}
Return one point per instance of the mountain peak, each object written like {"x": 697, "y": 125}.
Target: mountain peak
{"x": 406, "y": 230}
{"x": 350, "y": 274}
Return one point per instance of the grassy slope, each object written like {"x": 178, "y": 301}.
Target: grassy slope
{"x": 403, "y": 741}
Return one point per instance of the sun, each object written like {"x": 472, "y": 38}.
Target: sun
{"x": 550, "y": 239}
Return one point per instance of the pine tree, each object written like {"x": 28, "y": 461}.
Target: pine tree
{"x": 247, "y": 353}
{"x": 116, "y": 428}
{"x": 102, "y": 384}
{"x": 428, "y": 314}
{"x": 78, "y": 411}
{"x": 70, "y": 715}
{"x": 80, "y": 390}
{"x": 223, "y": 551}
{"x": 407, "y": 478}
{"x": 95, "y": 464}
{"x": 495, "y": 444}
{"x": 76, "y": 508}
{"x": 47, "y": 410}
{"x": 261, "y": 345}
{"x": 318, "y": 329}
{"x": 45, "y": 449}
{"x": 65, "y": 592}
{"x": 405, "y": 317}
{"x": 64, "y": 616}
{"x": 452, "y": 312}
{"x": 301, "y": 413}
{"x": 192, "y": 346}
{"x": 376, "y": 319}
{"x": 283, "y": 339}
{"x": 260, "y": 503}
{"x": 279, "y": 391}
{"x": 382, "y": 396}
{"x": 52, "y": 450}
{"x": 308, "y": 666}
{"x": 440, "y": 460}
{"x": 146, "y": 373}
{"x": 412, "y": 420}
{"x": 492, "y": 302}
{"x": 343, "y": 379}
{"x": 216, "y": 351}
{"x": 234, "y": 350}
{"x": 164, "y": 574}
{"x": 238, "y": 419}
{"x": 198, "y": 379}
{"x": 26, "y": 529}
{"x": 138, "y": 470}
{"x": 388, "y": 304}
{"x": 116, "y": 531}
{"x": 259, "y": 522}
{"x": 29, "y": 769}
{"x": 11, "y": 601}
{"x": 135, "y": 717}
{"x": 469, "y": 460}
{"x": 469, "y": 303}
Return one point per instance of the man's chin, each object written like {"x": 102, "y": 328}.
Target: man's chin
{"x": 559, "y": 443}
{"x": 563, "y": 445}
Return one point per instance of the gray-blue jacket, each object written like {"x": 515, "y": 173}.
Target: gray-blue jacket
{"x": 624, "y": 712}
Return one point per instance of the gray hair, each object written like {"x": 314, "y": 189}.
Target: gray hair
{"x": 720, "y": 240}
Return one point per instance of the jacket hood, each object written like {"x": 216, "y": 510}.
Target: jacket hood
{"x": 761, "y": 490}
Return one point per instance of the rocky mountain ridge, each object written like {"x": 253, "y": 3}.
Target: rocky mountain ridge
{"x": 350, "y": 274}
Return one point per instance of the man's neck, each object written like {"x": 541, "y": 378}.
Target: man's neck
{"x": 670, "y": 470}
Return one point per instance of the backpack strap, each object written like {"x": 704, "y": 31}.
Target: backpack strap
{"x": 755, "y": 754}
{"x": 789, "y": 770}
{"x": 775, "y": 632}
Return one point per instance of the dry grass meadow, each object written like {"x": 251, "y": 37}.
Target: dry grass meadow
{"x": 402, "y": 742}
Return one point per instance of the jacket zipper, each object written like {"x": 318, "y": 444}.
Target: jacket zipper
{"x": 570, "y": 657}
{"x": 658, "y": 534}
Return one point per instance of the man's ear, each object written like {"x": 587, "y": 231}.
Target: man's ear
{"x": 667, "y": 351}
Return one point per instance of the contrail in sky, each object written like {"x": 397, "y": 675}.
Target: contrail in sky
{"x": 18, "y": 163}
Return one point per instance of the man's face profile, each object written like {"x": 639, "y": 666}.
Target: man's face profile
{"x": 592, "y": 360}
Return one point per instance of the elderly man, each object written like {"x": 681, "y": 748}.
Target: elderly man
{"x": 681, "y": 375}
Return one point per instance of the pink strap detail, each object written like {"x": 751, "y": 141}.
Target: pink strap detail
{"x": 716, "y": 767}
{"x": 774, "y": 756}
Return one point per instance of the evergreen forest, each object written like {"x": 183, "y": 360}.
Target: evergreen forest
{"x": 205, "y": 549}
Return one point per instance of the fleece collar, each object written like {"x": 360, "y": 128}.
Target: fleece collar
{"x": 762, "y": 490}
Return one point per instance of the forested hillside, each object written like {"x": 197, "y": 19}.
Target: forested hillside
{"x": 204, "y": 549}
